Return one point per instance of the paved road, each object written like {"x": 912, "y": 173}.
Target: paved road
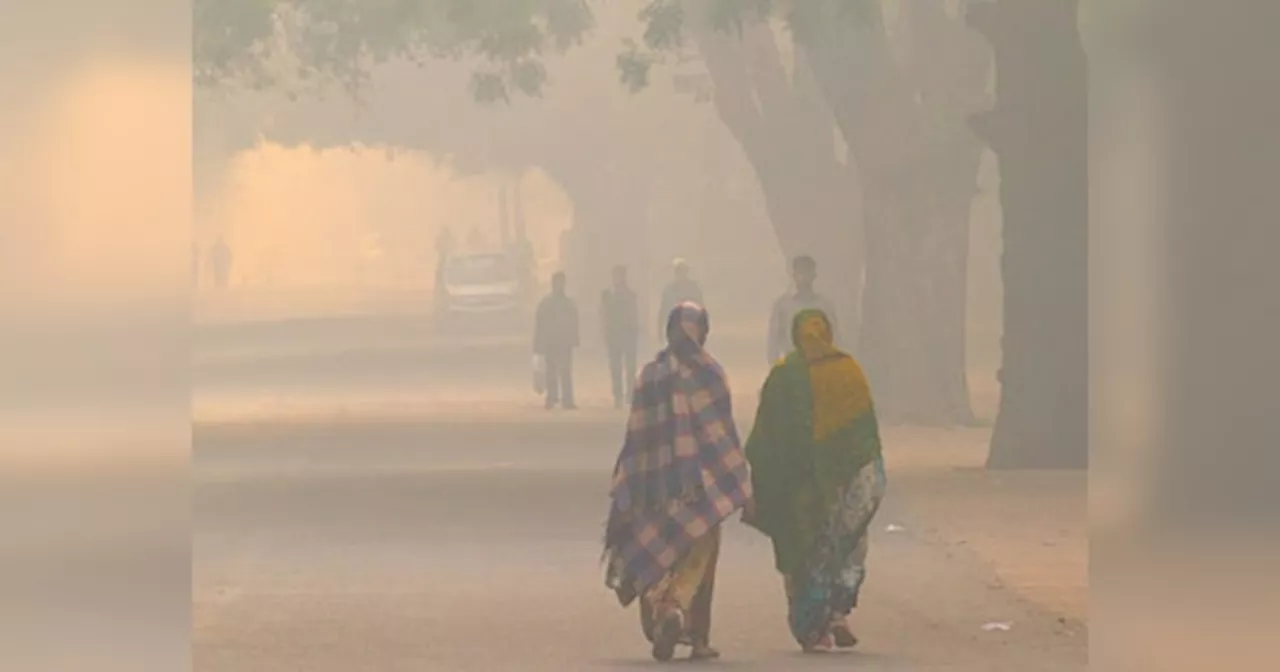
{"x": 385, "y": 529}
{"x": 388, "y": 546}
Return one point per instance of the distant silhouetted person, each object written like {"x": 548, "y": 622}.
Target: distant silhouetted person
{"x": 804, "y": 272}
{"x": 555, "y": 337}
{"x": 445, "y": 245}
{"x": 620, "y": 322}
{"x": 681, "y": 289}
{"x": 220, "y": 259}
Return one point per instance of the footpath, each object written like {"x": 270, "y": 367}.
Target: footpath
{"x": 1030, "y": 527}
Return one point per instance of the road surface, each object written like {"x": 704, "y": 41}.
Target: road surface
{"x": 440, "y": 541}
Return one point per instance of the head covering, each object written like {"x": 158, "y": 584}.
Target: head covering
{"x": 660, "y": 461}
{"x": 813, "y": 336}
{"x": 837, "y": 384}
{"x": 682, "y": 469}
{"x": 688, "y": 326}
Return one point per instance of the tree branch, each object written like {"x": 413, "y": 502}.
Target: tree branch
{"x": 764, "y": 65}
{"x": 734, "y": 96}
{"x": 949, "y": 62}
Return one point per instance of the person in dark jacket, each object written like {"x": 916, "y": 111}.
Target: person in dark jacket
{"x": 555, "y": 338}
{"x": 619, "y": 317}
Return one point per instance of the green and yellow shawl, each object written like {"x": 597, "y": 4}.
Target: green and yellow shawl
{"x": 814, "y": 431}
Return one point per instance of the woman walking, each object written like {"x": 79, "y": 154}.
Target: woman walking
{"x": 818, "y": 478}
{"x": 682, "y": 471}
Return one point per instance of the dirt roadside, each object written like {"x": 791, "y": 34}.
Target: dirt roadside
{"x": 1030, "y": 527}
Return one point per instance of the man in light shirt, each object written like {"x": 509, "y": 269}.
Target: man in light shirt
{"x": 804, "y": 272}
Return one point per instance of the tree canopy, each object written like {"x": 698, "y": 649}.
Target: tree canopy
{"x": 667, "y": 21}
{"x": 297, "y": 45}
{"x": 308, "y": 44}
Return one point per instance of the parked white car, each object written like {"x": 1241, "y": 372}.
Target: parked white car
{"x": 480, "y": 283}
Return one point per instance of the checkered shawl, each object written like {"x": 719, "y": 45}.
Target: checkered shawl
{"x": 682, "y": 469}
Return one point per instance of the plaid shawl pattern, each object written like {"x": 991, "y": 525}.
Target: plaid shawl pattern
{"x": 682, "y": 469}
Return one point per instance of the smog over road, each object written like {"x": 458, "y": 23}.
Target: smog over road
{"x": 429, "y": 270}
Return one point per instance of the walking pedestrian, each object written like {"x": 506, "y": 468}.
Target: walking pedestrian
{"x": 818, "y": 479}
{"x": 662, "y": 537}
{"x": 555, "y": 338}
{"x": 804, "y": 274}
{"x": 619, "y": 316}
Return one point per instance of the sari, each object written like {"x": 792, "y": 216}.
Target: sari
{"x": 818, "y": 477}
{"x": 681, "y": 472}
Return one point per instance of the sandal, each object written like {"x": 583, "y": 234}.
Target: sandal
{"x": 842, "y": 635}
{"x": 704, "y": 652}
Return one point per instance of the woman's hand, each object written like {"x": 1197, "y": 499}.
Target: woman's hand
{"x": 749, "y": 512}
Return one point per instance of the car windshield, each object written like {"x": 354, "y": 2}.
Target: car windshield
{"x": 486, "y": 269}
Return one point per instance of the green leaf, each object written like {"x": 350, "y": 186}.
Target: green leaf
{"x": 728, "y": 16}
{"x": 339, "y": 41}
{"x": 489, "y": 87}
{"x": 664, "y": 23}
{"x": 528, "y": 76}
{"x": 633, "y": 69}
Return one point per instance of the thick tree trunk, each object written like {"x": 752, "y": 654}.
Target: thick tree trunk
{"x": 949, "y": 65}
{"x": 947, "y": 266}
{"x": 788, "y": 136}
{"x": 610, "y": 227}
{"x": 811, "y": 215}
{"x": 913, "y": 326}
{"x": 1039, "y": 131}
{"x": 912, "y": 344}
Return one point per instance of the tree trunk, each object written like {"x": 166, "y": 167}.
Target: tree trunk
{"x": 787, "y": 133}
{"x": 1039, "y": 131}
{"x": 912, "y": 343}
{"x": 947, "y": 266}
{"x": 610, "y": 226}
{"x": 811, "y": 215}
